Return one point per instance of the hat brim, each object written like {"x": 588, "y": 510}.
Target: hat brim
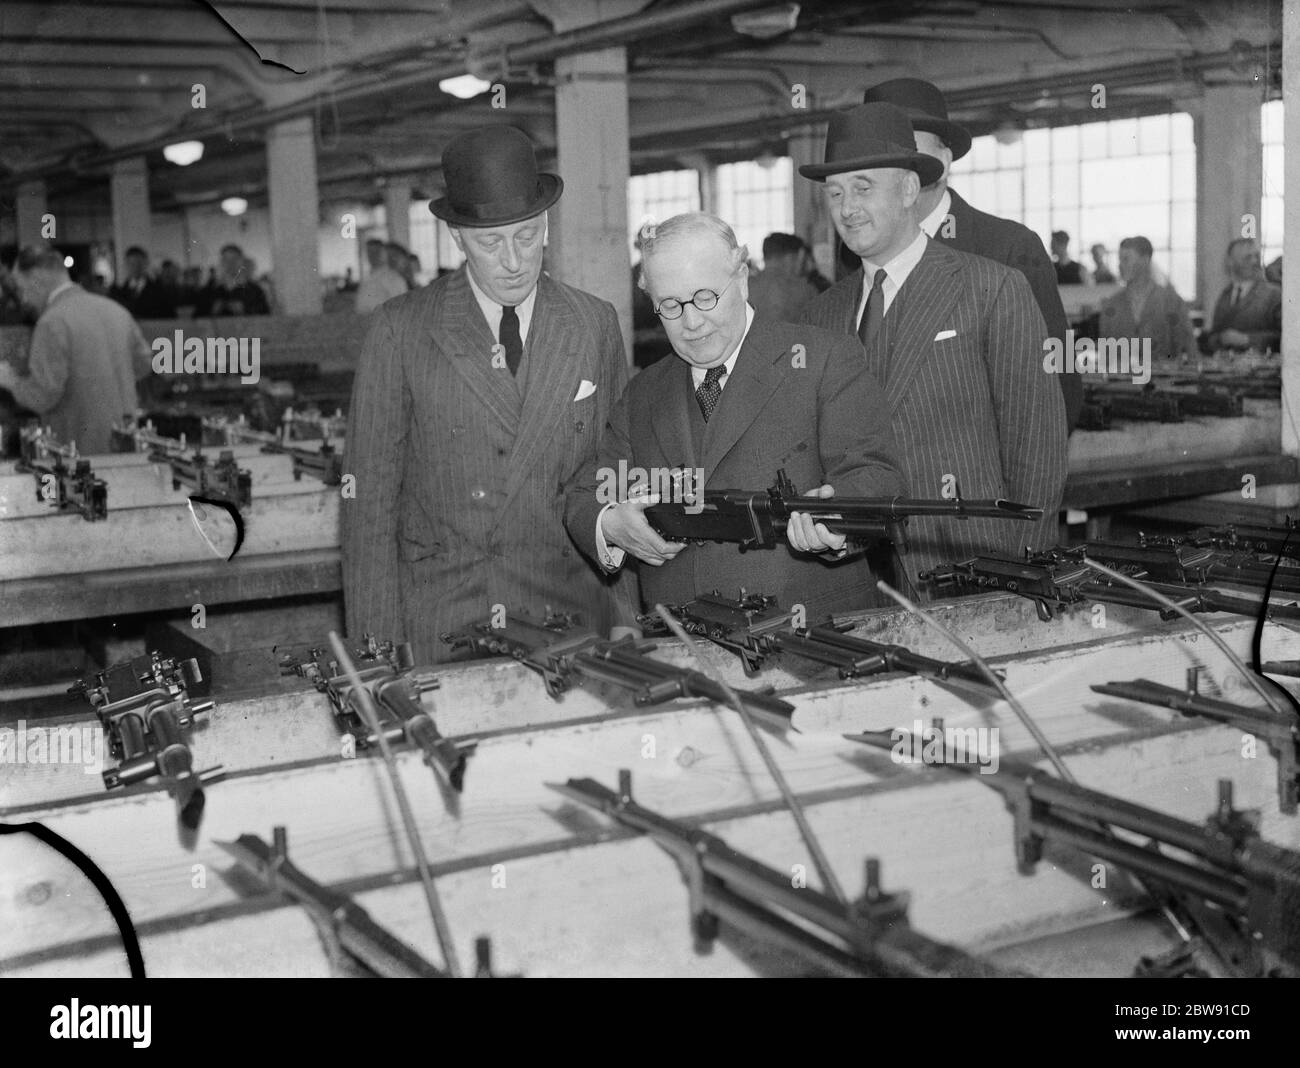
{"x": 927, "y": 168}
{"x": 955, "y": 137}
{"x": 549, "y": 188}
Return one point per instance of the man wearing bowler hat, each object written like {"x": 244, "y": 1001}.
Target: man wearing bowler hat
{"x": 946, "y": 217}
{"x": 955, "y": 339}
{"x": 476, "y": 398}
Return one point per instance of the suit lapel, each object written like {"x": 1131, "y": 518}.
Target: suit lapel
{"x": 924, "y": 304}
{"x": 670, "y": 416}
{"x": 755, "y": 377}
{"x": 459, "y": 329}
{"x": 554, "y": 375}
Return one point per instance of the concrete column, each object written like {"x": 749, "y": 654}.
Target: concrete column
{"x": 397, "y": 210}
{"x": 291, "y": 183}
{"x": 129, "y": 190}
{"x": 708, "y": 172}
{"x": 30, "y": 208}
{"x": 1229, "y": 180}
{"x": 1291, "y": 224}
{"x": 812, "y": 221}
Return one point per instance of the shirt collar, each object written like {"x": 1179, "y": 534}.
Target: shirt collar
{"x": 931, "y": 223}
{"x": 60, "y": 288}
{"x": 698, "y": 373}
{"x": 902, "y": 264}
{"x": 492, "y": 309}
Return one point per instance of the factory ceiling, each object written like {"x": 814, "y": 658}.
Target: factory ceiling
{"x": 85, "y": 84}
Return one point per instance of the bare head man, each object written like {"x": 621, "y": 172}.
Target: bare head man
{"x": 1135, "y": 260}
{"x": 1242, "y": 261}
{"x": 38, "y": 271}
{"x": 874, "y": 175}
{"x": 696, "y": 274}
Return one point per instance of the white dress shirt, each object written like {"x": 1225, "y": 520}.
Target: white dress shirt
{"x": 896, "y": 272}
{"x": 611, "y": 556}
{"x": 492, "y": 309}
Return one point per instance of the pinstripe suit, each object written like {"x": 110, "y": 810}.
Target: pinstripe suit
{"x": 821, "y": 418}
{"x": 458, "y": 471}
{"x": 976, "y": 405}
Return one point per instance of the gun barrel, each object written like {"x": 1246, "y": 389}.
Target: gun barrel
{"x": 851, "y": 508}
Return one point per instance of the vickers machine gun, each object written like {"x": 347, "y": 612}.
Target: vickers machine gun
{"x": 1240, "y": 893}
{"x": 754, "y": 627}
{"x": 387, "y": 673}
{"x": 562, "y": 652}
{"x": 69, "y": 488}
{"x": 145, "y": 706}
{"x": 758, "y": 519}
{"x": 870, "y": 937}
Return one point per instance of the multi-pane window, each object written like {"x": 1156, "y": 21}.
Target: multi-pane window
{"x": 1270, "y": 223}
{"x": 757, "y": 199}
{"x": 660, "y": 196}
{"x": 431, "y": 241}
{"x": 1100, "y": 182}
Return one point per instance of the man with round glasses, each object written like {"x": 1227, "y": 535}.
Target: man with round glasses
{"x": 743, "y": 399}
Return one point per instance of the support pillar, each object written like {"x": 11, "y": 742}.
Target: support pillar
{"x": 1291, "y": 228}
{"x": 132, "y": 224}
{"x": 812, "y": 221}
{"x": 1229, "y": 179}
{"x": 397, "y": 211}
{"x": 31, "y": 207}
{"x": 294, "y": 206}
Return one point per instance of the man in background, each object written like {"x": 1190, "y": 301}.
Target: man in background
{"x": 1248, "y": 313}
{"x": 782, "y": 288}
{"x": 233, "y": 291}
{"x": 141, "y": 295}
{"x": 1145, "y": 307}
{"x": 382, "y": 283}
{"x": 1069, "y": 272}
{"x": 1102, "y": 275}
{"x": 87, "y": 354}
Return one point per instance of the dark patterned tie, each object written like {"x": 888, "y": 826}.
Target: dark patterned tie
{"x": 509, "y": 337}
{"x": 710, "y": 390}
{"x": 875, "y": 313}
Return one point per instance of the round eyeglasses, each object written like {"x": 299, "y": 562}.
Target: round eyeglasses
{"x": 703, "y": 299}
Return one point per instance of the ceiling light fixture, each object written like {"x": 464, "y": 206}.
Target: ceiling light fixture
{"x": 234, "y": 205}
{"x": 183, "y": 153}
{"x": 466, "y": 87}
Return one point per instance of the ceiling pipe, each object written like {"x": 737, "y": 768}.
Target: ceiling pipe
{"x": 540, "y": 49}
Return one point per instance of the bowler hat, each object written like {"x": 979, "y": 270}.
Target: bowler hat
{"x": 868, "y": 137}
{"x": 925, "y": 106}
{"x": 492, "y": 179}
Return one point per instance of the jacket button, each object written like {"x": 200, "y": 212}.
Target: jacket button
{"x": 501, "y": 452}
{"x": 478, "y": 494}
{"x": 580, "y": 426}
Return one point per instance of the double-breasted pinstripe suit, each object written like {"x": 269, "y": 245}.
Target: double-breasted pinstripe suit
{"x": 459, "y": 471}
{"x": 960, "y": 355}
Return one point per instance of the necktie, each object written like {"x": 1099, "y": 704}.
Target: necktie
{"x": 509, "y": 337}
{"x": 710, "y": 390}
{"x": 875, "y": 312}
{"x": 1236, "y": 294}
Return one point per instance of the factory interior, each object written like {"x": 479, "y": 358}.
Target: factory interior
{"x": 360, "y": 619}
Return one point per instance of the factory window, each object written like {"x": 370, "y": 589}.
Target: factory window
{"x": 431, "y": 241}
{"x": 1100, "y": 182}
{"x": 660, "y": 195}
{"x": 1270, "y": 223}
{"x": 757, "y": 199}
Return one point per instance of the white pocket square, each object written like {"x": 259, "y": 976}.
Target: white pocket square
{"x": 944, "y": 335}
{"x": 585, "y": 390}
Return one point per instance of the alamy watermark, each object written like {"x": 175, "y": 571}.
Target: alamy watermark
{"x": 208, "y": 356}
{"x": 1105, "y": 356}
{"x": 82, "y": 745}
{"x": 672, "y": 485}
{"x": 937, "y": 744}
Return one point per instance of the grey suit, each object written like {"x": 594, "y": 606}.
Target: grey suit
{"x": 974, "y": 409}
{"x": 459, "y": 472}
{"x": 819, "y": 416}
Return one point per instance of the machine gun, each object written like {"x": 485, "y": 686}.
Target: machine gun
{"x": 561, "y": 651}
{"x": 387, "y": 673}
{"x": 1137, "y": 403}
{"x": 1237, "y": 537}
{"x": 345, "y": 926}
{"x": 758, "y": 519}
{"x": 1052, "y": 581}
{"x": 1189, "y": 564}
{"x": 1218, "y": 401}
{"x": 69, "y": 488}
{"x": 144, "y": 706}
{"x": 753, "y": 627}
{"x": 1241, "y": 892}
{"x": 223, "y": 481}
{"x": 1280, "y": 733}
{"x": 870, "y": 937}
{"x": 324, "y": 463}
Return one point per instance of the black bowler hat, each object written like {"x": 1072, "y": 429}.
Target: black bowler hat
{"x": 868, "y": 137}
{"x": 492, "y": 179}
{"x": 925, "y": 106}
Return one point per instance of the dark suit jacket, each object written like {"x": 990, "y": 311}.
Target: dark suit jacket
{"x": 976, "y": 405}
{"x": 822, "y": 422}
{"x": 1017, "y": 246}
{"x": 154, "y": 301}
{"x": 1258, "y": 315}
{"x": 458, "y": 480}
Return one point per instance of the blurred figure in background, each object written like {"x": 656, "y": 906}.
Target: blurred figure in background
{"x": 1248, "y": 313}
{"x": 232, "y": 292}
{"x": 382, "y": 283}
{"x": 782, "y": 289}
{"x": 1146, "y": 307}
{"x": 141, "y": 295}
{"x": 1102, "y": 275}
{"x": 1068, "y": 272}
